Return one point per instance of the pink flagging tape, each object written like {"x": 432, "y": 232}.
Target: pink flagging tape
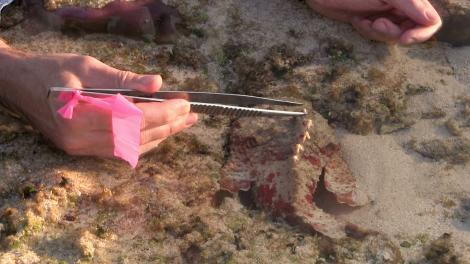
{"x": 126, "y": 121}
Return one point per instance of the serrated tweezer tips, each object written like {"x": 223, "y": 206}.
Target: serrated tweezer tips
{"x": 237, "y": 111}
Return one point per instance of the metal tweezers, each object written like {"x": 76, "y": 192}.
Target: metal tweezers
{"x": 233, "y": 105}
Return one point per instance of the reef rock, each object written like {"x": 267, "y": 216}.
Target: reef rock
{"x": 456, "y": 18}
{"x": 283, "y": 162}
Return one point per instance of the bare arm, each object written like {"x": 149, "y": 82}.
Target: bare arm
{"x": 11, "y": 61}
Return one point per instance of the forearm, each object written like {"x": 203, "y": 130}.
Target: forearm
{"x": 12, "y": 70}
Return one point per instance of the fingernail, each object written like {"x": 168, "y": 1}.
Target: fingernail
{"x": 382, "y": 27}
{"x": 191, "y": 119}
{"x": 183, "y": 106}
{"x": 409, "y": 41}
{"x": 151, "y": 82}
{"x": 432, "y": 16}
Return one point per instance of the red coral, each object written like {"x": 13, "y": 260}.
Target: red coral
{"x": 284, "y": 165}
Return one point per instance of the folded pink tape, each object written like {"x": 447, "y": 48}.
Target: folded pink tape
{"x": 126, "y": 121}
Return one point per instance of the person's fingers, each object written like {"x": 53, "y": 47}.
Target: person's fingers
{"x": 406, "y": 25}
{"x": 386, "y": 28}
{"x": 420, "y": 11}
{"x": 159, "y": 114}
{"x": 383, "y": 30}
{"x": 162, "y": 132}
{"x": 398, "y": 13}
{"x": 100, "y": 75}
{"x": 419, "y": 34}
{"x": 149, "y": 146}
{"x": 146, "y": 147}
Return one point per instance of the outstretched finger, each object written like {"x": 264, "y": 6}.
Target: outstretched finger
{"x": 159, "y": 114}
{"x": 162, "y": 132}
{"x": 150, "y": 146}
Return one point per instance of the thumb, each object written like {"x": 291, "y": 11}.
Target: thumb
{"x": 420, "y": 11}
{"x": 140, "y": 82}
{"x": 103, "y": 76}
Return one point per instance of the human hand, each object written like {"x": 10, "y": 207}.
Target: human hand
{"x": 403, "y": 21}
{"x": 90, "y": 130}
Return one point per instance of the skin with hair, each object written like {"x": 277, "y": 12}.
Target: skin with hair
{"x": 402, "y": 21}
{"x": 26, "y": 78}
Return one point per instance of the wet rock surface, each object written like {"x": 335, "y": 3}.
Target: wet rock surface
{"x": 56, "y": 208}
{"x": 456, "y": 18}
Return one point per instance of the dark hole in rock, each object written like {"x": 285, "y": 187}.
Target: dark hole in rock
{"x": 248, "y": 199}
{"x": 351, "y": 96}
{"x": 64, "y": 182}
{"x": 326, "y": 200}
{"x": 70, "y": 217}
{"x": 279, "y": 72}
{"x": 293, "y": 248}
{"x": 29, "y": 191}
{"x": 192, "y": 255}
{"x": 102, "y": 231}
{"x": 238, "y": 242}
{"x": 219, "y": 197}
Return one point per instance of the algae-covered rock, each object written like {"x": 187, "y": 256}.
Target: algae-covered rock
{"x": 454, "y": 150}
{"x": 442, "y": 251}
